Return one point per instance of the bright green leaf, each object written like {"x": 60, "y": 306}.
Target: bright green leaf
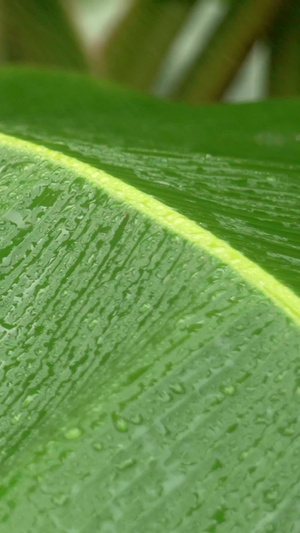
{"x": 150, "y": 370}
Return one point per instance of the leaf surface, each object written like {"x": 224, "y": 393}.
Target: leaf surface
{"x": 150, "y": 366}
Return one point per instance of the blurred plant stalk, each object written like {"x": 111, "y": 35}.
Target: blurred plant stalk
{"x": 216, "y": 66}
{"x": 136, "y": 49}
{"x": 284, "y": 79}
{"x": 42, "y": 32}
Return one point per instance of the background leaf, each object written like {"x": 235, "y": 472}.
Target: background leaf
{"x": 194, "y": 50}
{"x": 285, "y": 53}
{"x": 36, "y": 32}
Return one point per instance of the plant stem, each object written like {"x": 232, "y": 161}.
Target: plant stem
{"x": 285, "y": 53}
{"x": 246, "y": 21}
{"x": 136, "y": 49}
{"x": 39, "y": 32}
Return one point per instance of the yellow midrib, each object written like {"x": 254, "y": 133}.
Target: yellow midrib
{"x": 281, "y": 295}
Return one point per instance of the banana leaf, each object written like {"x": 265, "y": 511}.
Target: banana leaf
{"x": 149, "y": 324}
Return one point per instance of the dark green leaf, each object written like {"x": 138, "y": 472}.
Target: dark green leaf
{"x": 40, "y": 32}
{"x": 285, "y": 53}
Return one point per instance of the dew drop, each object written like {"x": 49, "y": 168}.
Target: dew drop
{"x": 28, "y": 400}
{"x": 145, "y": 307}
{"x": 98, "y": 446}
{"x": 243, "y": 456}
{"x": 164, "y": 396}
{"x": 279, "y": 378}
{"x": 287, "y": 431}
{"x": 93, "y": 323}
{"x": 178, "y": 388}
{"x": 60, "y": 500}
{"x": 127, "y": 464}
{"x": 73, "y": 433}
{"x": 16, "y": 419}
{"x": 136, "y": 419}
{"x": 16, "y": 218}
{"x": 271, "y": 495}
{"x": 120, "y": 423}
{"x": 228, "y": 390}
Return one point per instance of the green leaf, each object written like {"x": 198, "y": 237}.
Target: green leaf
{"x": 40, "y": 32}
{"x": 150, "y": 370}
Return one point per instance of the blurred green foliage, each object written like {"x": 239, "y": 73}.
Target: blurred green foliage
{"x": 133, "y": 39}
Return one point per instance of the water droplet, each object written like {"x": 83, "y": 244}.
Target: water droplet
{"x": 145, "y": 307}
{"x": 217, "y": 464}
{"x": 271, "y": 495}
{"x": 120, "y": 423}
{"x": 136, "y": 419}
{"x": 228, "y": 390}
{"x": 232, "y": 428}
{"x": 220, "y": 515}
{"x": 287, "y": 431}
{"x": 164, "y": 396}
{"x": 28, "y": 400}
{"x": 244, "y": 456}
{"x": 73, "y": 433}
{"x": 16, "y": 218}
{"x": 16, "y": 419}
{"x": 60, "y": 499}
{"x": 98, "y": 446}
{"x": 178, "y": 388}
{"x": 127, "y": 464}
